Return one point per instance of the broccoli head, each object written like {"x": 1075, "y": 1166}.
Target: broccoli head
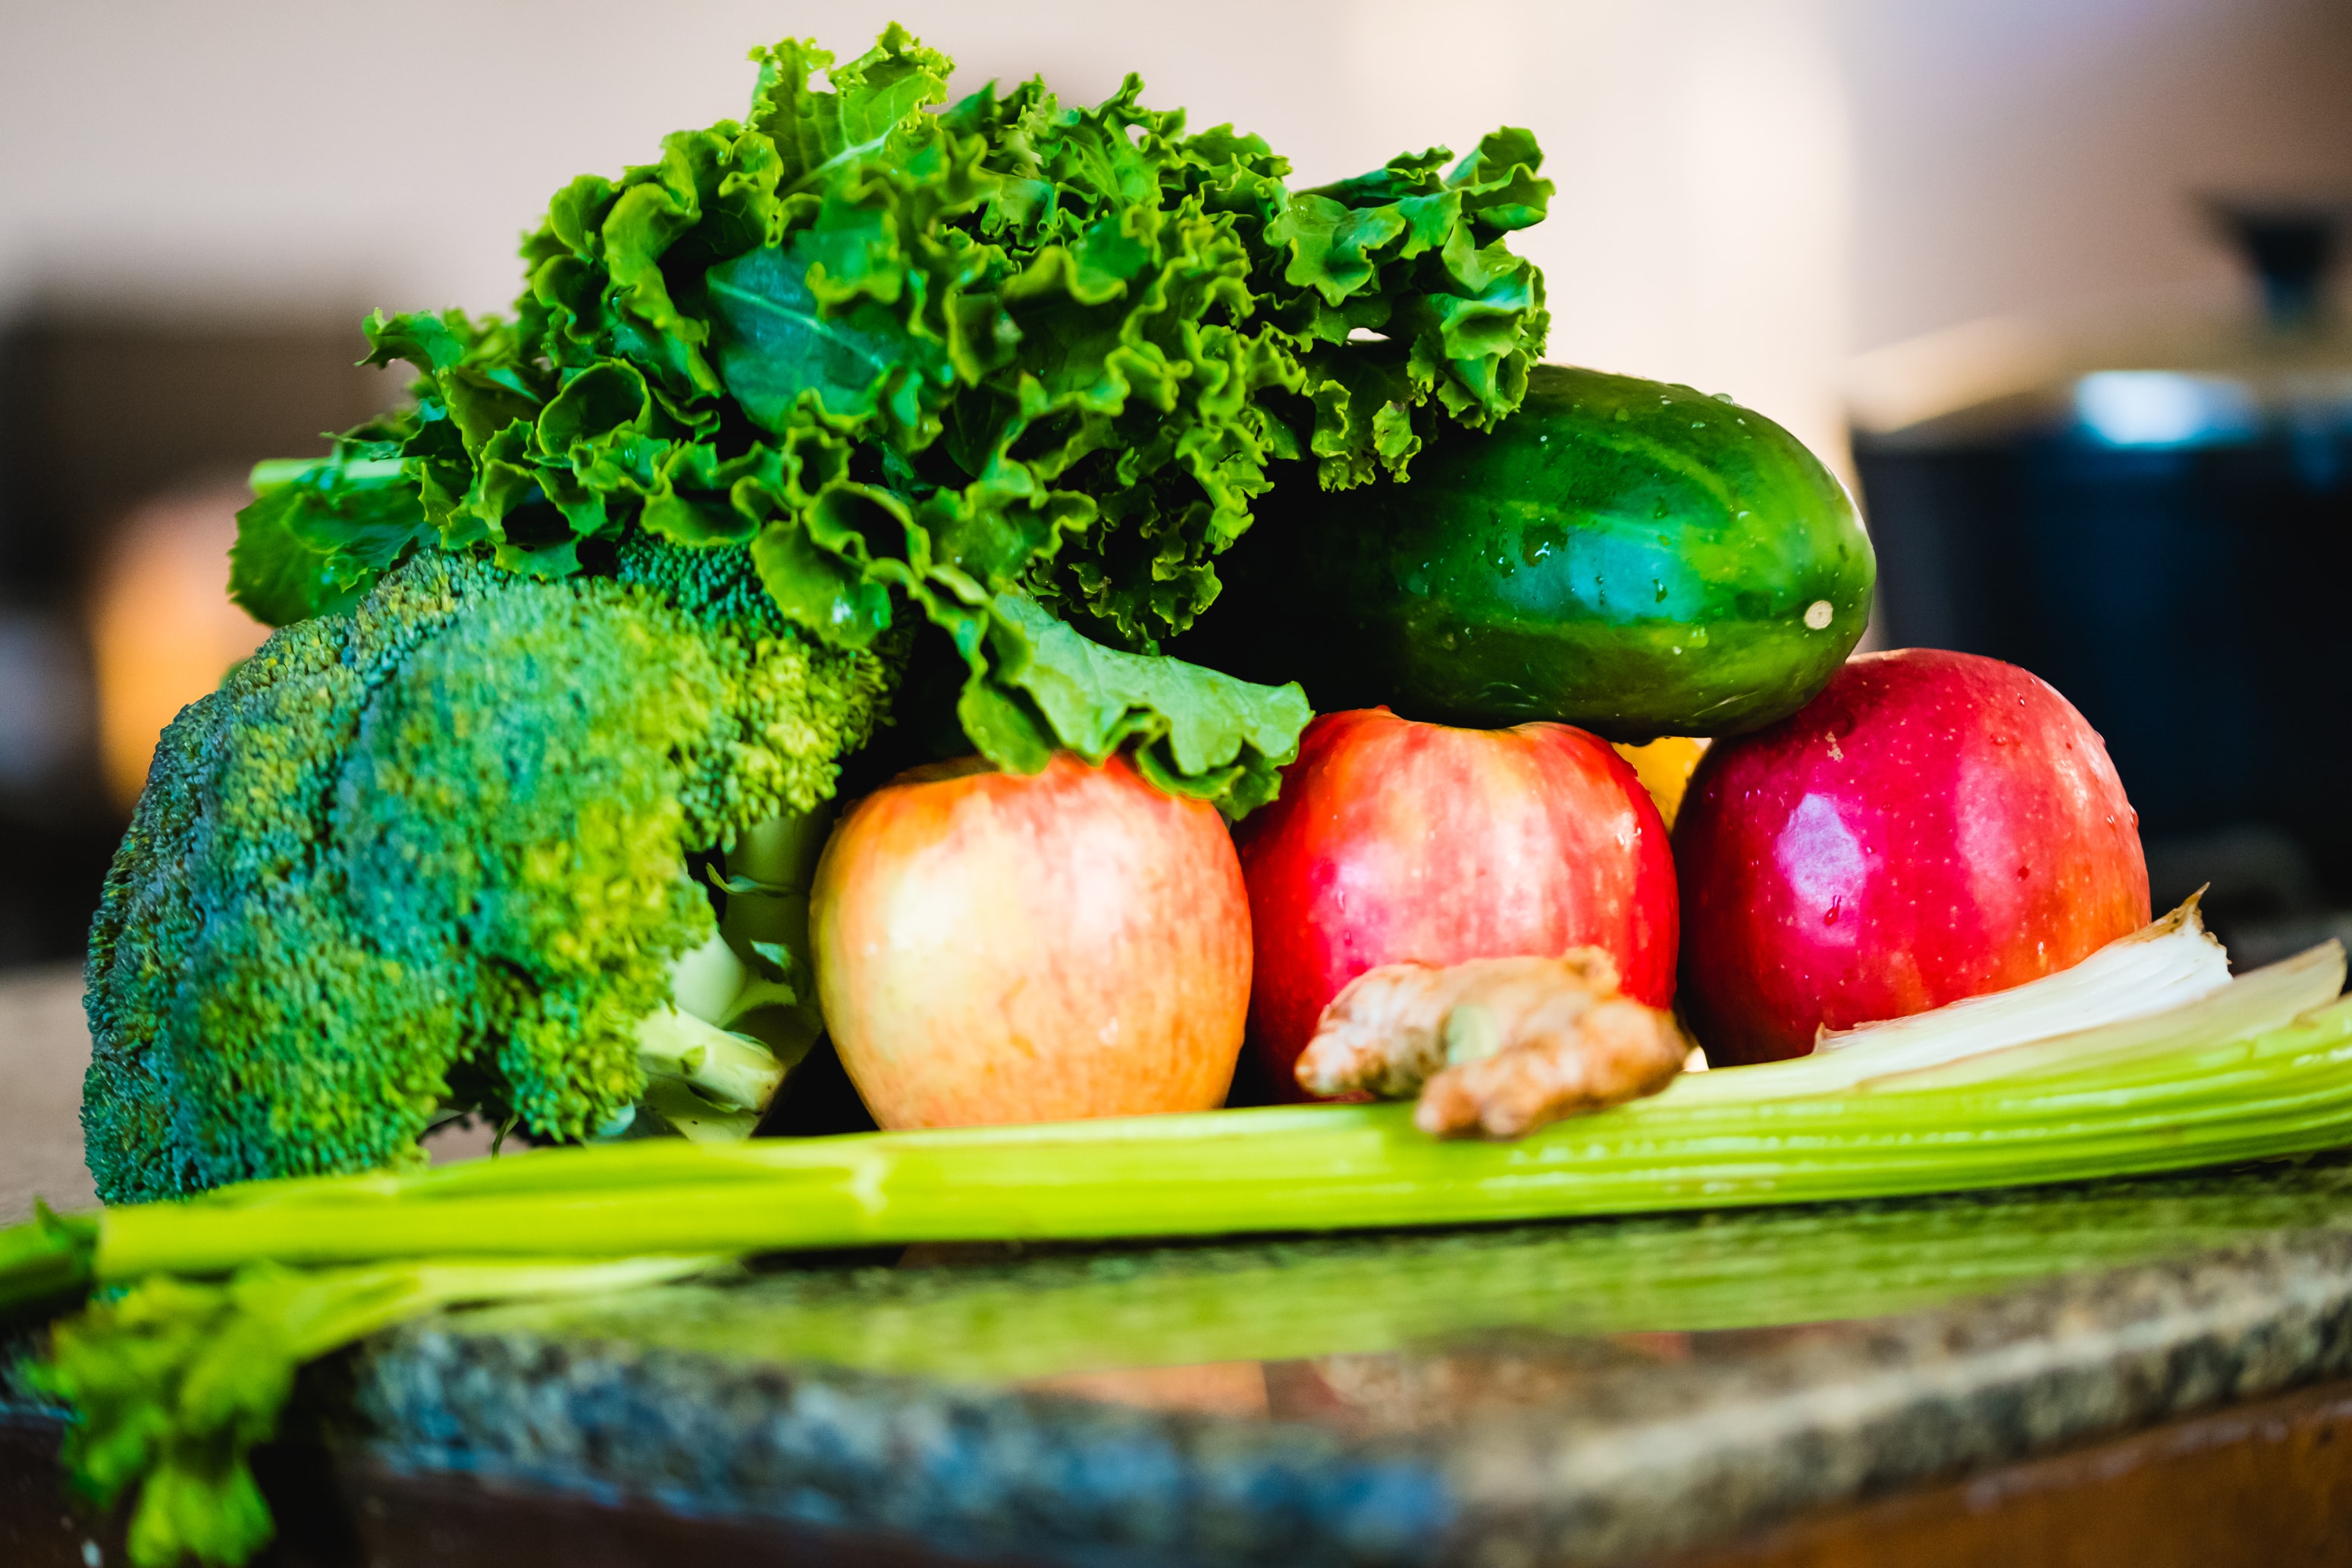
{"x": 432, "y": 851}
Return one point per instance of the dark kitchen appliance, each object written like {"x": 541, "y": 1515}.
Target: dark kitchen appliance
{"x": 2155, "y": 516}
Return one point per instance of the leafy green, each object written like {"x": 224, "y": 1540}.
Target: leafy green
{"x": 48, "y": 1259}
{"x": 915, "y": 357}
{"x": 172, "y": 1382}
{"x": 1195, "y": 731}
{"x": 1419, "y": 256}
{"x": 318, "y": 535}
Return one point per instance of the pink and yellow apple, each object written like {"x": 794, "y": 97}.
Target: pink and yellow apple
{"x": 1934, "y": 825}
{"x": 993, "y": 948}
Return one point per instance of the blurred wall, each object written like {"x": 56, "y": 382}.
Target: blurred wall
{"x": 2023, "y": 156}
{"x": 1749, "y": 188}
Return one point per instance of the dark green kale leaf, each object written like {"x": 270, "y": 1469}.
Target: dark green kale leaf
{"x": 1192, "y": 730}
{"x": 318, "y": 535}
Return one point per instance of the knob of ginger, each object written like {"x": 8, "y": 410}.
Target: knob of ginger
{"x": 1494, "y": 1047}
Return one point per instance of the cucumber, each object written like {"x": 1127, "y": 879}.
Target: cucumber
{"x": 1630, "y": 557}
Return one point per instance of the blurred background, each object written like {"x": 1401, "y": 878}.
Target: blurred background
{"x": 1994, "y": 259}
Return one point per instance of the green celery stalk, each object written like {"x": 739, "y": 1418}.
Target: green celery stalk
{"x": 1318, "y": 1168}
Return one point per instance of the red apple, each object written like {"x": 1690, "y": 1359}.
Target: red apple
{"x": 1396, "y": 840}
{"x": 992, "y": 948}
{"x": 1932, "y": 826}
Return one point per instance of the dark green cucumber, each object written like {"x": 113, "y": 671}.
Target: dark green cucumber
{"x": 1635, "y": 558}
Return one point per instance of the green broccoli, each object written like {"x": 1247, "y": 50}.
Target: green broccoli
{"x": 432, "y": 853}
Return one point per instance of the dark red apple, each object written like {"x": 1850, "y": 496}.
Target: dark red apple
{"x": 994, "y": 948}
{"x": 1932, "y": 826}
{"x": 1395, "y": 840}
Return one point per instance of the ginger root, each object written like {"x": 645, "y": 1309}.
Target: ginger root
{"x": 1498, "y": 1047}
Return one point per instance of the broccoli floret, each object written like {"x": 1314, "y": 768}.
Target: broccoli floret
{"x": 444, "y": 835}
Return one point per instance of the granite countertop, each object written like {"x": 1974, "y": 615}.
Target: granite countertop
{"x": 1584, "y": 1393}
{"x": 1589, "y": 1391}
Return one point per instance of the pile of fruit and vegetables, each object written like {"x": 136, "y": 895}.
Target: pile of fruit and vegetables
{"x": 1142, "y": 674}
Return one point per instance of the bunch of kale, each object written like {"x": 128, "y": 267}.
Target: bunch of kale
{"x": 923, "y": 356}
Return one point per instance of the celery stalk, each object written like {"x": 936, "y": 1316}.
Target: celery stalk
{"x": 2288, "y": 1091}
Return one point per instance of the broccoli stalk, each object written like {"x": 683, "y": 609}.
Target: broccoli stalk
{"x": 771, "y": 982}
{"x": 742, "y": 1011}
{"x": 714, "y": 984}
{"x": 702, "y": 1080}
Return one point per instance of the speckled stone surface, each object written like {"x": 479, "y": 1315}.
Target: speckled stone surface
{"x": 1587, "y": 1393}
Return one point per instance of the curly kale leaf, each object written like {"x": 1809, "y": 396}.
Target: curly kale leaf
{"x": 1192, "y": 730}
{"x": 1418, "y": 256}
{"x": 318, "y": 535}
{"x": 914, "y": 356}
